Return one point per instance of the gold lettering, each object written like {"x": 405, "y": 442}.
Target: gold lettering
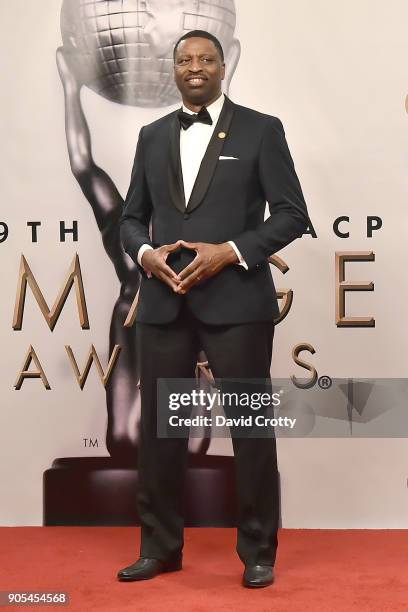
{"x": 342, "y": 286}
{"x": 303, "y": 364}
{"x": 282, "y": 294}
{"x": 25, "y": 373}
{"x": 73, "y": 276}
{"x": 93, "y": 356}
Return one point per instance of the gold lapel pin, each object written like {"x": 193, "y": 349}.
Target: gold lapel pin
{"x": 221, "y": 134}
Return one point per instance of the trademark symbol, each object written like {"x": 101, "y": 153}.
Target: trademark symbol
{"x": 324, "y": 382}
{"x": 90, "y": 443}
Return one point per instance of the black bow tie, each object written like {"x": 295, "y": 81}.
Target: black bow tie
{"x": 186, "y": 119}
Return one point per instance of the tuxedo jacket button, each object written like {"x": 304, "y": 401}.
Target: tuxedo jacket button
{"x": 186, "y": 216}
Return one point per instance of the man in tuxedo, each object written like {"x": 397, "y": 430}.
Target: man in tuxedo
{"x": 202, "y": 176}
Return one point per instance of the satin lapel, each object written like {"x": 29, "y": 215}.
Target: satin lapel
{"x": 210, "y": 159}
{"x": 174, "y": 171}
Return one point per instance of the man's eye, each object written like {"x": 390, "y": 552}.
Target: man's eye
{"x": 208, "y": 59}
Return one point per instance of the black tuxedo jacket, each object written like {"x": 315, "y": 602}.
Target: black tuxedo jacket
{"x": 227, "y": 203}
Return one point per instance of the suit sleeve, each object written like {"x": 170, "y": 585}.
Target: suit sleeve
{"x": 137, "y": 210}
{"x": 288, "y": 212}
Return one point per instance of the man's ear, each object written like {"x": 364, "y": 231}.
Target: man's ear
{"x": 231, "y": 63}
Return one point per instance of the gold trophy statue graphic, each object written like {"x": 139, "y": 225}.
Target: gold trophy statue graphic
{"x": 123, "y": 51}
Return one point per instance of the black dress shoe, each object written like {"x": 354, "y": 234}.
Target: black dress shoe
{"x": 147, "y": 567}
{"x": 258, "y": 576}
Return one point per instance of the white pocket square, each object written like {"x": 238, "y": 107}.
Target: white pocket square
{"x": 227, "y": 157}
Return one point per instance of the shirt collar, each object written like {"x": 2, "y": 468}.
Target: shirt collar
{"x": 214, "y": 108}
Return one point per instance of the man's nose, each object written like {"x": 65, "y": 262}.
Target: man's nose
{"x": 195, "y": 65}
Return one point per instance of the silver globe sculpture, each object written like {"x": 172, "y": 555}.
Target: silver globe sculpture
{"x": 123, "y": 49}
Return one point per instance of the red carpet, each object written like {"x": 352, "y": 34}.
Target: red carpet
{"x": 326, "y": 570}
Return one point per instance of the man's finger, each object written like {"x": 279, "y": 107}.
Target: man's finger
{"x": 192, "y": 266}
{"x": 167, "y": 271}
{"x": 168, "y": 281}
{"x": 189, "y": 245}
{"x": 172, "y": 247}
{"x": 194, "y": 278}
{"x": 169, "y": 248}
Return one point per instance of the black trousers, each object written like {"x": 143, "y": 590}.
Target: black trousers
{"x": 233, "y": 351}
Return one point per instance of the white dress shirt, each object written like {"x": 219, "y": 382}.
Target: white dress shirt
{"x": 193, "y": 145}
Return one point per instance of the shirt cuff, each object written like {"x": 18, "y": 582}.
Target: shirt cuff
{"x": 241, "y": 261}
{"x": 143, "y": 248}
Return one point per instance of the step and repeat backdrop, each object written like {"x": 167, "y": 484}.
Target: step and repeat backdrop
{"x": 79, "y": 80}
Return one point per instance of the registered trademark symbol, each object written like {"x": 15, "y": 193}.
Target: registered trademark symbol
{"x": 324, "y": 382}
